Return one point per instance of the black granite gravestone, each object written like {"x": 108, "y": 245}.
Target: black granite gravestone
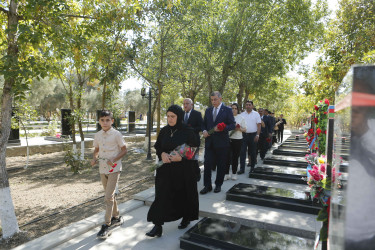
{"x": 293, "y": 200}
{"x": 131, "y": 121}
{"x": 212, "y": 233}
{"x": 283, "y": 174}
{"x": 290, "y": 152}
{"x": 66, "y": 128}
{"x": 288, "y": 161}
{"x": 14, "y": 136}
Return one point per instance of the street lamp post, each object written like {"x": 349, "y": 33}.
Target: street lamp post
{"x": 149, "y": 120}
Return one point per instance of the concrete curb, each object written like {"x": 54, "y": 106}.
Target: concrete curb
{"x": 67, "y": 233}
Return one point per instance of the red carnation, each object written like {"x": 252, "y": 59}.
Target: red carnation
{"x": 311, "y": 131}
{"x": 189, "y": 154}
{"x": 325, "y": 113}
{"x": 221, "y": 126}
{"x": 238, "y": 126}
{"x": 316, "y": 120}
{"x": 268, "y": 139}
{"x": 325, "y": 132}
{"x": 316, "y": 148}
{"x": 318, "y": 131}
{"x": 316, "y": 107}
{"x": 111, "y": 170}
{"x": 326, "y": 101}
{"x": 114, "y": 165}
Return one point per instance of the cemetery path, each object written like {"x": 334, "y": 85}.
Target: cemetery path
{"x": 48, "y": 196}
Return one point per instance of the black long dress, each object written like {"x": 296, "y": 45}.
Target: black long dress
{"x": 176, "y": 194}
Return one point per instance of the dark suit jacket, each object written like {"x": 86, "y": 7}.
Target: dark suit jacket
{"x": 195, "y": 121}
{"x": 268, "y": 128}
{"x": 218, "y": 139}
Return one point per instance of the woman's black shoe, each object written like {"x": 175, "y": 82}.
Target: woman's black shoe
{"x": 156, "y": 231}
{"x": 183, "y": 224}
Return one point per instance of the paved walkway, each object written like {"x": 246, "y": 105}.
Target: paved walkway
{"x": 131, "y": 235}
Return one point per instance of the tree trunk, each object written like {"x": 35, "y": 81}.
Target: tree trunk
{"x": 8, "y": 217}
{"x": 72, "y": 119}
{"x": 241, "y": 89}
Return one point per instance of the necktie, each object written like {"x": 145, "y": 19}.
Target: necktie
{"x": 215, "y": 114}
{"x": 186, "y": 117}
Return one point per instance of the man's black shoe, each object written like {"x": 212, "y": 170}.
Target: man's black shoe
{"x": 184, "y": 223}
{"x": 240, "y": 172}
{"x": 217, "y": 189}
{"x": 205, "y": 190}
{"x": 116, "y": 221}
{"x": 104, "y": 232}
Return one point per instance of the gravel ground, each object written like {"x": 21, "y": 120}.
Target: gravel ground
{"x": 47, "y": 189}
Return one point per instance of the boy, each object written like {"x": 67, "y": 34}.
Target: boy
{"x": 110, "y": 147}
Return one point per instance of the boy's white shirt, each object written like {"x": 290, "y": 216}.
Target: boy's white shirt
{"x": 109, "y": 143}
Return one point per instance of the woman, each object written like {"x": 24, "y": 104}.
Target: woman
{"x": 235, "y": 137}
{"x": 176, "y": 194}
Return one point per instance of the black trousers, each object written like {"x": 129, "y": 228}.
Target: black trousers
{"x": 212, "y": 155}
{"x": 280, "y": 134}
{"x": 233, "y": 154}
{"x": 262, "y": 146}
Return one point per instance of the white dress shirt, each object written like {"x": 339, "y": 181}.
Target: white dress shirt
{"x": 252, "y": 119}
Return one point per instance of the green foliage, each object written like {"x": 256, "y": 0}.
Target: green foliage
{"x": 73, "y": 160}
{"x": 51, "y": 128}
{"x": 322, "y": 115}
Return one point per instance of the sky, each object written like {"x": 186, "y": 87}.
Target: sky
{"x": 134, "y": 83}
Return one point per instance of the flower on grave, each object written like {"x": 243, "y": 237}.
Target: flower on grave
{"x": 318, "y": 131}
{"x": 321, "y": 160}
{"x": 316, "y": 120}
{"x": 316, "y": 107}
{"x": 326, "y": 101}
{"x": 325, "y": 112}
{"x": 305, "y": 134}
{"x": 58, "y": 135}
{"x": 323, "y": 168}
{"x": 325, "y": 132}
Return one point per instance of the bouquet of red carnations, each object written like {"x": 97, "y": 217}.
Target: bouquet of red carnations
{"x": 184, "y": 150}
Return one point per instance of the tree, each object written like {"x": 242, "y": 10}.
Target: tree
{"x": 349, "y": 40}
{"x": 20, "y": 63}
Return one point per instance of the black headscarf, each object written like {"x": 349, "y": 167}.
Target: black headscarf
{"x": 180, "y": 115}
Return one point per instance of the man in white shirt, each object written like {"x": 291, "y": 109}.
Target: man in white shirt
{"x": 250, "y": 137}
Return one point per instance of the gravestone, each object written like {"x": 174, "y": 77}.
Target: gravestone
{"x": 292, "y": 200}
{"x": 131, "y": 121}
{"x": 353, "y": 227}
{"x": 277, "y": 173}
{"x": 14, "y": 136}
{"x": 212, "y": 233}
{"x": 98, "y": 127}
{"x": 66, "y": 128}
{"x": 288, "y": 161}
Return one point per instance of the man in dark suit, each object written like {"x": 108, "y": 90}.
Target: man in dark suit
{"x": 193, "y": 119}
{"x": 216, "y": 144}
{"x": 264, "y": 134}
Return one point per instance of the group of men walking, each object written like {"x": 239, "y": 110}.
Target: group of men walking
{"x": 257, "y": 137}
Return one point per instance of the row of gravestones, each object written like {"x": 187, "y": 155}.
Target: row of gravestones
{"x": 279, "y": 167}
{"x": 351, "y": 217}
{"x": 66, "y": 130}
